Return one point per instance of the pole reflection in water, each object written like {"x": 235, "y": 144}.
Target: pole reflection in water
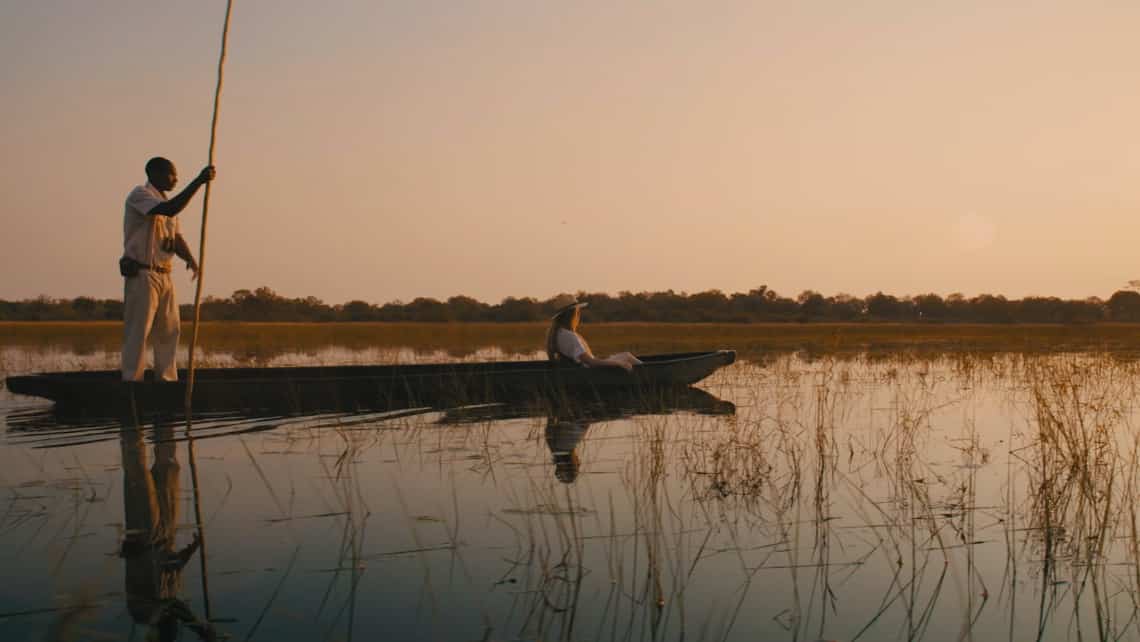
{"x": 153, "y": 563}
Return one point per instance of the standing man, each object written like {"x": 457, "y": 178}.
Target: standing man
{"x": 151, "y": 240}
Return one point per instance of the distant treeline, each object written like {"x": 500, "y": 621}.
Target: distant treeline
{"x": 758, "y": 305}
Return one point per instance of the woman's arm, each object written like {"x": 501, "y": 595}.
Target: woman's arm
{"x": 573, "y": 346}
{"x": 594, "y": 362}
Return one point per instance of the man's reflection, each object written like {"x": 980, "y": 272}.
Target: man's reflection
{"x": 563, "y": 437}
{"x": 153, "y": 566}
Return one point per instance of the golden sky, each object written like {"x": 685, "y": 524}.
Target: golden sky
{"x": 388, "y": 150}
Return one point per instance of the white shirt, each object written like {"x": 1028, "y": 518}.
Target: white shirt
{"x": 143, "y": 235}
{"x": 571, "y": 345}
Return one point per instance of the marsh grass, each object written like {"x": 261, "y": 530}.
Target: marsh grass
{"x": 1075, "y": 470}
{"x": 940, "y": 497}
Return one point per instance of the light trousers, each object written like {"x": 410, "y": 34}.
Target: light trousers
{"x": 150, "y": 313}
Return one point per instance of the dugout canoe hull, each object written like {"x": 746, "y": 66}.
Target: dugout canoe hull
{"x": 309, "y": 388}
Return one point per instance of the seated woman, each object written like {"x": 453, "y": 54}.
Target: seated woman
{"x": 564, "y": 342}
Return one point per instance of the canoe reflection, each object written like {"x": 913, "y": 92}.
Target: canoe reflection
{"x": 568, "y": 420}
{"x": 49, "y": 428}
{"x": 594, "y": 409}
{"x": 153, "y": 563}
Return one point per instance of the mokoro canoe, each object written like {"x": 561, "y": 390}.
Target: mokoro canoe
{"x": 307, "y": 388}
{"x": 49, "y": 427}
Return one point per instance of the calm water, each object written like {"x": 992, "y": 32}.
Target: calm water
{"x": 948, "y": 498}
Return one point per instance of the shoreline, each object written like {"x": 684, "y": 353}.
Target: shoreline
{"x": 644, "y": 337}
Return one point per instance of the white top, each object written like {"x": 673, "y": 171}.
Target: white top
{"x": 143, "y": 235}
{"x": 571, "y": 345}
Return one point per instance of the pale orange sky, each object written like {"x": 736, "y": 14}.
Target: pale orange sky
{"x": 388, "y": 150}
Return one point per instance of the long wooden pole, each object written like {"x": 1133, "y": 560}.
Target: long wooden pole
{"x": 197, "y": 316}
{"x": 206, "y": 211}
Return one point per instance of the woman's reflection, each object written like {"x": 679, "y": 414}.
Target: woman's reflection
{"x": 153, "y": 566}
{"x": 562, "y": 437}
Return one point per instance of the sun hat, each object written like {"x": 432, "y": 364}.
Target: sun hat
{"x": 564, "y": 302}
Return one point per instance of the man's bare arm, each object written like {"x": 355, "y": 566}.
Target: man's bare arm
{"x": 174, "y": 206}
{"x": 182, "y": 250}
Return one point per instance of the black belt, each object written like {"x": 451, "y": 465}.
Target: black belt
{"x": 129, "y": 267}
{"x": 158, "y": 269}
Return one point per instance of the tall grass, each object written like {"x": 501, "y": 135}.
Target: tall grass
{"x": 964, "y": 496}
